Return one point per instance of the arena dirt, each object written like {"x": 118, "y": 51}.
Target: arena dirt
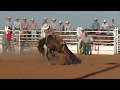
{"x": 31, "y": 65}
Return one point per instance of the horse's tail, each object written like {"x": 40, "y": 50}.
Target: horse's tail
{"x": 72, "y": 56}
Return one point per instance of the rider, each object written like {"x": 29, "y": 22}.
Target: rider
{"x": 49, "y": 31}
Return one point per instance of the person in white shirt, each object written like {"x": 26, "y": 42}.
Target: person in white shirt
{"x": 54, "y": 24}
{"x": 105, "y": 27}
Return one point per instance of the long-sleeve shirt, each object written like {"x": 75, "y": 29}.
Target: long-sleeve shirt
{"x": 95, "y": 25}
{"x": 8, "y": 38}
{"x": 68, "y": 27}
{"x": 87, "y": 39}
{"x": 60, "y": 27}
{"x": 9, "y": 24}
{"x": 44, "y": 23}
{"x": 24, "y": 25}
{"x": 16, "y": 25}
{"x": 33, "y": 26}
{"x": 54, "y": 25}
{"x": 48, "y": 32}
{"x": 82, "y": 36}
{"x": 105, "y": 26}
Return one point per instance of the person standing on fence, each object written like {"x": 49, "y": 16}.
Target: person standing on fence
{"x": 68, "y": 27}
{"x": 33, "y": 27}
{"x": 17, "y": 26}
{"x": 4, "y": 41}
{"x": 82, "y": 36}
{"x": 113, "y": 25}
{"x": 54, "y": 24}
{"x": 87, "y": 45}
{"x": 45, "y": 21}
{"x": 24, "y": 26}
{"x": 105, "y": 27}
{"x": 9, "y": 23}
{"x": 60, "y": 27}
{"x": 95, "y": 25}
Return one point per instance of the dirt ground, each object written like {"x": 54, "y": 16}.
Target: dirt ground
{"x": 31, "y": 65}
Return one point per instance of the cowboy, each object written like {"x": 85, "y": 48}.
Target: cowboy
{"x": 24, "y": 24}
{"x": 33, "y": 27}
{"x": 105, "y": 27}
{"x": 54, "y": 24}
{"x": 82, "y": 36}
{"x": 96, "y": 25}
{"x": 9, "y": 23}
{"x": 87, "y": 44}
{"x": 45, "y": 21}
{"x": 113, "y": 25}
{"x": 68, "y": 26}
{"x": 17, "y": 26}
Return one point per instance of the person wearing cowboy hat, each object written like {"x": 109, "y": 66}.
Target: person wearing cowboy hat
{"x": 104, "y": 27}
{"x": 68, "y": 27}
{"x": 81, "y": 37}
{"x": 44, "y": 21}
{"x": 60, "y": 26}
{"x": 113, "y": 25}
{"x": 9, "y": 23}
{"x": 47, "y": 30}
{"x": 54, "y": 24}
{"x": 16, "y": 25}
{"x": 24, "y": 24}
{"x": 33, "y": 27}
{"x": 87, "y": 44}
{"x": 95, "y": 25}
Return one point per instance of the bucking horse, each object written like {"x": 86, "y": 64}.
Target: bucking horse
{"x": 57, "y": 49}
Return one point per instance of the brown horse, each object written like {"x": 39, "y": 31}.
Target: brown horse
{"x": 57, "y": 48}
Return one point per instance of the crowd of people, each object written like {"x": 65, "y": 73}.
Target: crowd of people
{"x": 32, "y": 27}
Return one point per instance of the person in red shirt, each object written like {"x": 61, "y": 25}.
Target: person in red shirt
{"x": 8, "y": 39}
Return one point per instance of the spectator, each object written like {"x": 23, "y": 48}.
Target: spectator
{"x": 9, "y": 23}
{"x": 54, "y": 24}
{"x": 60, "y": 26}
{"x": 105, "y": 27}
{"x": 16, "y": 26}
{"x": 8, "y": 39}
{"x": 68, "y": 26}
{"x": 24, "y": 26}
{"x": 82, "y": 36}
{"x": 33, "y": 27}
{"x": 45, "y": 21}
{"x": 113, "y": 25}
{"x": 87, "y": 46}
{"x": 95, "y": 26}
{"x": 4, "y": 41}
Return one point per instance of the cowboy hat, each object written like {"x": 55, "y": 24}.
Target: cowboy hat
{"x": 46, "y": 26}
{"x": 67, "y": 21}
{"x": 105, "y": 21}
{"x": 8, "y": 17}
{"x": 95, "y": 19}
{"x": 24, "y": 18}
{"x": 53, "y": 19}
{"x": 45, "y": 18}
{"x": 32, "y": 18}
{"x": 60, "y": 21}
{"x": 17, "y": 18}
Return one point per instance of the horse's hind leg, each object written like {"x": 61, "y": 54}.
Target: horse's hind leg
{"x": 47, "y": 54}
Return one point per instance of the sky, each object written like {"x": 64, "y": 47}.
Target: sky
{"x": 77, "y": 18}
